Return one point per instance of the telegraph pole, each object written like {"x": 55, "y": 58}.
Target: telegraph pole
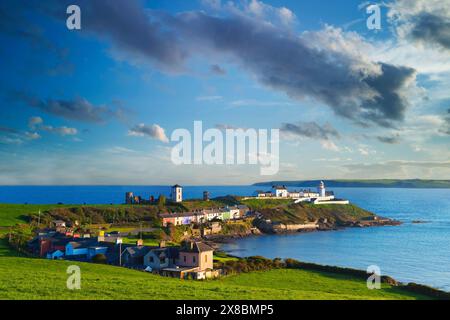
{"x": 120, "y": 254}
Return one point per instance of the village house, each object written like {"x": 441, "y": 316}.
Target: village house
{"x": 279, "y": 192}
{"x": 204, "y": 216}
{"x": 195, "y": 260}
{"x": 211, "y": 229}
{"x": 133, "y": 256}
{"x": 160, "y": 258}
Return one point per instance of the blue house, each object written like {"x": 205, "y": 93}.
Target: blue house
{"x": 57, "y": 254}
{"x": 93, "y": 251}
{"x": 76, "y": 249}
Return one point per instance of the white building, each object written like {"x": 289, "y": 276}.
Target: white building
{"x": 323, "y": 198}
{"x": 295, "y": 194}
{"x": 177, "y": 193}
{"x": 280, "y": 191}
{"x": 321, "y": 189}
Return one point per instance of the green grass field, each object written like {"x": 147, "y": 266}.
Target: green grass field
{"x": 32, "y": 278}
{"x": 25, "y": 278}
{"x": 11, "y": 214}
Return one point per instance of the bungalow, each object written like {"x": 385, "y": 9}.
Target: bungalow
{"x": 57, "y": 254}
{"x": 95, "y": 250}
{"x": 295, "y": 194}
{"x": 76, "y": 248}
{"x": 212, "y": 228}
{"x": 280, "y": 191}
{"x": 243, "y": 210}
{"x": 263, "y": 194}
{"x": 161, "y": 258}
{"x": 134, "y": 256}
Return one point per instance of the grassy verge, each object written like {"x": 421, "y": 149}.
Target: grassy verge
{"x": 25, "y": 278}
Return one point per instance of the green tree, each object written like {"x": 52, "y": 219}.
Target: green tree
{"x": 162, "y": 200}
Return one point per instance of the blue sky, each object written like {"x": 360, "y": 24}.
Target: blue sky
{"x": 350, "y": 102}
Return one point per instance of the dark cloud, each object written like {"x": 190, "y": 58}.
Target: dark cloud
{"x": 277, "y": 57}
{"x": 446, "y": 128}
{"x": 7, "y": 130}
{"x": 218, "y": 70}
{"x": 287, "y": 63}
{"x": 432, "y": 29}
{"x": 389, "y": 104}
{"x": 12, "y": 136}
{"x": 134, "y": 33}
{"x": 389, "y": 139}
{"x": 78, "y": 109}
{"x": 15, "y": 22}
{"x": 423, "y": 21}
{"x": 310, "y": 130}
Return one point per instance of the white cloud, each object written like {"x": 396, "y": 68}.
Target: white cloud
{"x": 37, "y": 123}
{"x": 32, "y": 135}
{"x": 62, "y": 131}
{"x": 153, "y": 131}
{"x": 329, "y": 145}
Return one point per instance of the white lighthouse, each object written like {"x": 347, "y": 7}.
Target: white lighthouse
{"x": 321, "y": 189}
{"x": 177, "y": 193}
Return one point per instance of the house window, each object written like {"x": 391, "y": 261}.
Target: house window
{"x": 184, "y": 258}
{"x": 206, "y": 258}
{"x": 151, "y": 259}
{"x": 193, "y": 259}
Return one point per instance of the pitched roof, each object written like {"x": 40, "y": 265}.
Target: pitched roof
{"x": 138, "y": 251}
{"x": 198, "y": 246}
{"x": 181, "y": 214}
{"x": 84, "y": 243}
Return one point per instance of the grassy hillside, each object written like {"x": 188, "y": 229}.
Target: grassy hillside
{"x": 381, "y": 183}
{"x": 25, "y": 278}
{"x": 11, "y": 214}
{"x": 285, "y": 211}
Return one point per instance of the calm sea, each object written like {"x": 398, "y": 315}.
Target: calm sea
{"x": 410, "y": 252}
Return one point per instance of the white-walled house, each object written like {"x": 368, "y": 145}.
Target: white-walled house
{"x": 280, "y": 191}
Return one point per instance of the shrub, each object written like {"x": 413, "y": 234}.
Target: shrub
{"x": 99, "y": 258}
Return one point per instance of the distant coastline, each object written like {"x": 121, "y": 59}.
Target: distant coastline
{"x": 379, "y": 183}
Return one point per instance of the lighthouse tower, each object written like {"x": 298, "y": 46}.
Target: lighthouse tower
{"x": 177, "y": 193}
{"x": 321, "y": 189}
